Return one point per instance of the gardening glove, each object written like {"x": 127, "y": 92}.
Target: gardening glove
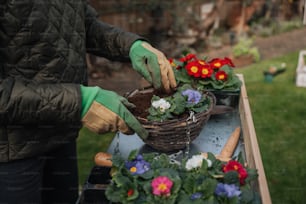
{"x": 152, "y": 65}
{"x": 105, "y": 111}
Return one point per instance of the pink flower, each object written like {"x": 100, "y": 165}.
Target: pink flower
{"x": 161, "y": 186}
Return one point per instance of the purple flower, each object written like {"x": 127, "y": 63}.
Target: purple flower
{"x": 137, "y": 166}
{"x": 196, "y": 196}
{"x": 228, "y": 190}
{"x": 194, "y": 97}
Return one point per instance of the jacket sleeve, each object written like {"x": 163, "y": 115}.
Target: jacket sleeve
{"x": 43, "y": 104}
{"x": 107, "y": 40}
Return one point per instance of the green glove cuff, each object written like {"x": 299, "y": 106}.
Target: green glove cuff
{"x": 88, "y": 96}
{"x": 136, "y": 44}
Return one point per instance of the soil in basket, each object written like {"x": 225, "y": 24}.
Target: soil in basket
{"x": 142, "y": 101}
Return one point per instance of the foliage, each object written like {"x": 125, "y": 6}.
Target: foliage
{"x": 157, "y": 178}
{"x": 244, "y": 48}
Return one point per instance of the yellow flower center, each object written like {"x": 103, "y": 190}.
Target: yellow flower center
{"x": 162, "y": 187}
{"x": 217, "y": 64}
{"x": 133, "y": 169}
{"x": 194, "y": 69}
{"x": 204, "y": 71}
{"x": 221, "y": 76}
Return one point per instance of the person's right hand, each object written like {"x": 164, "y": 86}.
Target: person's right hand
{"x": 105, "y": 111}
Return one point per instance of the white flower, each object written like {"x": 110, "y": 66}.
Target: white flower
{"x": 196, "y": 161}
{"x": 161, "y": 104}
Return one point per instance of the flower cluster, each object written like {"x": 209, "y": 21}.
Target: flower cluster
{"x": 185, "y": 99}
{"x": 157, "y": 178}
{"x": 215, "y": 74}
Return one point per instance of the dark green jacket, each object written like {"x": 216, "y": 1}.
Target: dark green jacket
{"x": 42, "y": 64}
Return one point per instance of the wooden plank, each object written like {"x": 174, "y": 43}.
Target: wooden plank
{"x": 252, "y": 151}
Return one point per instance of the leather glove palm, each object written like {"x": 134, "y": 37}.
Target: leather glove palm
{"x": 105, "y": 111}
{"x": 152, "y": 65}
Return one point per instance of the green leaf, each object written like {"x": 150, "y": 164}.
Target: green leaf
{"x": 133, "y": 154}
{"x": 231, "y": 177}
{"x": 117, "y": 160}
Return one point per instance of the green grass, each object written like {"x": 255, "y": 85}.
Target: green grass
{"x": 279, "y": 115}
{"x": 279, "y": 111}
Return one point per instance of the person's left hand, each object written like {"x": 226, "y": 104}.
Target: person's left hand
{"x": 152, "y": 65}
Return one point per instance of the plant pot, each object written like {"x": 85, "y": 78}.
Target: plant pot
{"x": 226, "y": 97}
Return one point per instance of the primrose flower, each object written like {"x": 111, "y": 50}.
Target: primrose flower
{"x": 161, "y": 186}
{"x": 137, "y": 166}
{"x": 206, "y": 71}
{"x": 228, "y": 190}
{"x": 217, "y": 63}
{"x": 233, "y": 165}
{"x": 221, "y": 75}
{"x": 196, "y": 161}
{"x": 194, "y": 69}
{"x": 194, "y": 97}
{"x": 161, "y": 104}
{"x": 188, "y": 57}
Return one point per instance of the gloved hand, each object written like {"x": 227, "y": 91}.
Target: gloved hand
{"x": 105, "y": 111}
{"x": 152, "y": 65}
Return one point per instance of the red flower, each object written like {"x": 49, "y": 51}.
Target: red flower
{"x": 221, "y": 75}
{"x": 233, "y": 165}
{"x": 193, "y": 69}
{"x": 188, "y": 57}
{"x": 172, "y": 63}
{"x": 206, "y": 71}
{"x": 229, "y": 62}
{"x": 217, "y": 63}
{"x": 130, "y": 192}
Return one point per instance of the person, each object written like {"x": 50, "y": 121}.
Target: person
{"x": 45, "y": 98}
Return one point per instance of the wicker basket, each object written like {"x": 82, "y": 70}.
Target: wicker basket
{"x": 171, "y": 135}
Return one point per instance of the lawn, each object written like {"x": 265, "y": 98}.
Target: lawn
{"x": 279, "y": 110}
{"x": 279, "y": 115}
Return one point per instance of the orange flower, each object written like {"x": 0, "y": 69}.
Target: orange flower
{"x": 221, "y": 75}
